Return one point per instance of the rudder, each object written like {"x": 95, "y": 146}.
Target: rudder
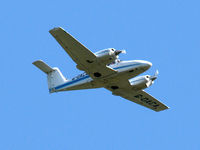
{"x": 54, "y": 75}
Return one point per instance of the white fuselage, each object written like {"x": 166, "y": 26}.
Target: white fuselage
{"x": 125, "y": 70}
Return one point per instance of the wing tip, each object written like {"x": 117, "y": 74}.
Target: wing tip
{"x": 56, "y": 29}
{"x": 35, "y": 62}
{"x": 165, "y": 108}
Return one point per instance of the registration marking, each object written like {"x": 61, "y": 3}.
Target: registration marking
{"x": 147, "y": 100}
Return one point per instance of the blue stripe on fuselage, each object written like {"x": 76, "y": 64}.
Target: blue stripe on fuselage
{"x": 87, "y": 76}
{"x": 71, "y": 82}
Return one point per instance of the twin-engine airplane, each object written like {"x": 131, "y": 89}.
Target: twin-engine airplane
{"x": 102, "y": 69}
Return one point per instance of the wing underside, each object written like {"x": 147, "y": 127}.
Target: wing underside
{"x": 78, "y": 52}
{"x": 84, "y": 58}
{"x": 140, "y": 97}
{"x": 144, "y": 99}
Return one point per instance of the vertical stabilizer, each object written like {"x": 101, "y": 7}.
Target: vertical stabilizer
{"x": 54, "y": 75}
{"x": 55, "y": 78}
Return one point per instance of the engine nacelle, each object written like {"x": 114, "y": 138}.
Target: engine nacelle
{"x": 107, "y": 56}
{"x": 141, "y": 82}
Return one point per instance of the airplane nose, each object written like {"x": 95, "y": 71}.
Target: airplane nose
{"x": 147, "y": 64}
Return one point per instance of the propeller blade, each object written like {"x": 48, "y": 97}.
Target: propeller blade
{"x": 154, "y": 76}
{"x": 123, "y": 51}
{"x": 156, "y": 73}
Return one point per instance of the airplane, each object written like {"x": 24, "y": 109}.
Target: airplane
{"x": 102, "y": 69}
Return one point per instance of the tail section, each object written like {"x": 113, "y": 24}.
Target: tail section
{"x": 54, "y": 76}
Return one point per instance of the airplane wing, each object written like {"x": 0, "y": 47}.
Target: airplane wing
{"x": 83, "y": 57}
{"x": 139, "y": 97}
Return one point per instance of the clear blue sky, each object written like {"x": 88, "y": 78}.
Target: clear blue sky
{"x": 167, "y": 33}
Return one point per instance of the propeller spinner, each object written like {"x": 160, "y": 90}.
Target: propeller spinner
{"x": 117, "y": 52}
{"x": 154, "y": 76}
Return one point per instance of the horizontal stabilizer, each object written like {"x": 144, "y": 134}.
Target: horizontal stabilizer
{"x": 43, "y": 66}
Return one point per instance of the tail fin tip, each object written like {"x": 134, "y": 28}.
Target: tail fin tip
{"x": 54, "y": 75}
{"x": 43, "y": 66}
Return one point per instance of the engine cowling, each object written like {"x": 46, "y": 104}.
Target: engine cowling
{"x": 105, "y": 57}
{"x": 108, "y": 56}
{"x": 141, "y": 82}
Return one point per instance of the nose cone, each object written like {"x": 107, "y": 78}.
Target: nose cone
{"x": 117, "y": 52}
{"x": 145, "y": 64}
{"x": 153, "y": 78}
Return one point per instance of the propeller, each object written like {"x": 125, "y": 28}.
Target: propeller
{"x": 156, "y": 73}
{"x": 154, "y": 76}
{"x": 123, "y": 51}
{"x": 117, "y": 52}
